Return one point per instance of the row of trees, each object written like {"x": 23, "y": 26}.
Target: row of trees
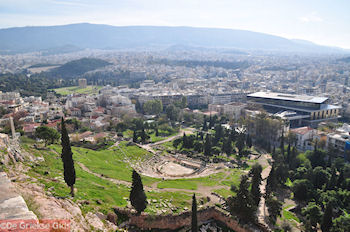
{"x": 222, "y": 141}
{"x": 320, "y": 184}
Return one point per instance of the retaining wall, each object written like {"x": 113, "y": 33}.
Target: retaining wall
{"x": 177, "y": 221}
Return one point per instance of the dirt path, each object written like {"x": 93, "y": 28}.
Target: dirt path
{"x": 262, "y": 212}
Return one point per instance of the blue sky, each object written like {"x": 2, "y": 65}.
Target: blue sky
{"x": 325, "y": 22}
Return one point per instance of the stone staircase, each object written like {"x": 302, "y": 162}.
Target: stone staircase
{"x": 12, "y": 205}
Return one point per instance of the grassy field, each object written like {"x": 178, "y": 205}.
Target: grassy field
{"x": 111, "y": 163}
{"x": 76, "y": 89}
{"x": 288, "y": 216}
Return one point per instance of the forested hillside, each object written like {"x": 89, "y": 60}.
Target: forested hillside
{"x": 78, "y": 67}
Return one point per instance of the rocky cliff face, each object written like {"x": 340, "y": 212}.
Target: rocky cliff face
{"x": 12, "y": 205}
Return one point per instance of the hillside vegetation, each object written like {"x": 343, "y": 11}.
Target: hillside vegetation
{"x": 78, "y": 67}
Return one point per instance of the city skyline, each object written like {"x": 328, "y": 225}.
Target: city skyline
{"x": 321, "y": 22}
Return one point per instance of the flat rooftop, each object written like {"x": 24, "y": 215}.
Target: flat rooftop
{"x": 289, "y": 97}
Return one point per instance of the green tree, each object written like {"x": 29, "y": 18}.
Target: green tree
{"x": 240, "y": 144}
{"x": 341, "y": 224}
{"x": 301, "y": 189}
{"x": 153, "y": 107}
{"x": 205, "y": 125}
{"x": 211, "y": 122}
{"x": 249, "y": 141}
{"x": 144, "y": 136}
{"x": 207, "y": 146}
{"x": 327, "y": 218}
{"x": 340, "y": 179}
{"x": 282, "y": 144}
{"x": 194, "y": 223}
{"x": 313, "y": 214}
{"x": 271, "y": 182}
{"x": 243, "y": 204}
{"x": 288, "y": 154}
{"x": 333, "y": 181}
{"x": 75, "y": 122}
{"x": 172, "y": 112}
{"x": 227, "y": 146}
{"x": 138, "y": 197}
{"x": 134, "y": 136}
{"x": 176, "y": 143}
{"x": 219, "y": 133}
{"x": 274, "y": 206}
{"x": 198, "y": 146}
{"x": 320, "y": 177}
{"x": 183, "y": 102}
{"x": 67, "y": 158}
{"x": 184, "y": 141}
{"x": 121, "y": 127}
{"x": 256, "y": 180}
{"x": 49, "y": 135}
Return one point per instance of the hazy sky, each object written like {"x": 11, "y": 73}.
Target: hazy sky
{"x": 325, "y": 22}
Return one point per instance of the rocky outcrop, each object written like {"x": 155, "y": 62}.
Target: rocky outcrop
{"x": 49, "y": 207}
{"x": 12, "y": 205}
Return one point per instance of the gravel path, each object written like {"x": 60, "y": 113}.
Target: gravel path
{"x": 262, "y": 212}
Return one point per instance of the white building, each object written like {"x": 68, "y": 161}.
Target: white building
{"x": 233, "y": 110}
{"x": 305, "y": 136}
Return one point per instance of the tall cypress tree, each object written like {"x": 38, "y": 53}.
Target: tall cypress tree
{"x": 327, "y": 218}
{"x": 282, "y": 144}
{"x": 207, "y": 146}
{"x": 227, "y": 146}
{"x": 288, "y": 153}
{"x": 333, "y": 181}
{"x": 340, "y": 179}
{"x": 249, "y": 141}
{"x": 143, "y": 135}
{"x": 240, "y": 144}
{"x": 67, "y": 159}
{"x": 184, "y": 141}
{"x": 138, "y": 197}
{"x": 205, "y": 127}
{"x": 271, "y": 181}
{"x": 134, "y": 137}
{"x": 243, "y": 203}
{"x": 194, "y": 214}
{"x": 256, "y": 180}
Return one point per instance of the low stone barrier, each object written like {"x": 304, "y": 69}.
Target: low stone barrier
{"x": 177, "y": 221}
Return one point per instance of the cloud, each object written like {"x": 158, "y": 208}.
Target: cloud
{"x": 311, "y": 18}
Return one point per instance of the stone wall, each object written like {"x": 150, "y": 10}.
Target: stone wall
{"x": 173, "y": 221}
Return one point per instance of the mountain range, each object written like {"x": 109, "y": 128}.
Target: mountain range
{"x": 73, "y": 37}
